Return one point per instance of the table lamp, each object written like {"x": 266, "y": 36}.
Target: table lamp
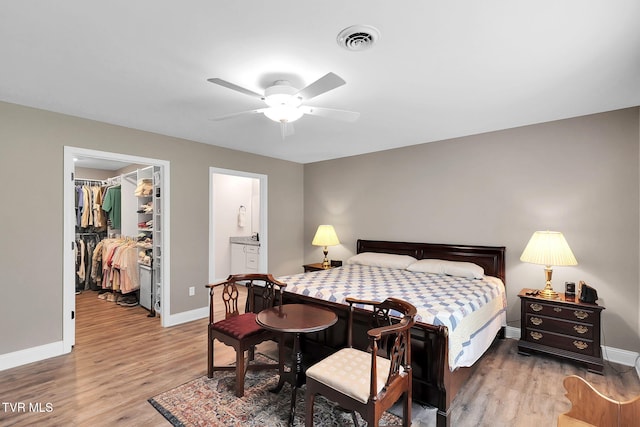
{"x": 548, "y": 248}
{"x": 325, "y": 236}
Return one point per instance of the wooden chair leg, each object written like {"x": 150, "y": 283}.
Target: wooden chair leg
{"x": 239, "y": 373}
{"x": 308, "y": 408}
{"x": 406, "y": 414}
{"x": 210, "y": 357}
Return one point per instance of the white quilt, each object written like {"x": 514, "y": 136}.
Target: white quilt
{"x": 473, "y": 310}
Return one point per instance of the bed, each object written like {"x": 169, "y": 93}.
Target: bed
{"x": 450, "y": 334}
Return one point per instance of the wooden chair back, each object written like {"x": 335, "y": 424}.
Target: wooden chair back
{"x": 389, "y": 339}
{"x": 590, "y": 406}
{"x": 263, "y": 291}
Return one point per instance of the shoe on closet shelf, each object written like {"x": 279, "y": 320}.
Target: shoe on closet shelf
{"x": 111, "y": 297}
{"x": 103, "y": 295}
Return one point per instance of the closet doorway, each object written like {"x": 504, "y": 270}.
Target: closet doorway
{"x": 238, "y": 223}
{"x": 126, "y": 172}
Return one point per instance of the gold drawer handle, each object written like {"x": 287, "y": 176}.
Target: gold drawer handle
{"x": 536, "y": 335}
{"x": 580, "y": 344}
{"x": 581, "y": 329}
{"x": 581, "y": 314}
{"x": 536, "y": 307}
{"x": 557, "y": 309}
{"x": 536, "y": 321}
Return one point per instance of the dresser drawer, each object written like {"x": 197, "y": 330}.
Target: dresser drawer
{"x": 574, "y": 344}
{"x": 565, "y": 327}
{"x": 577, "y": 314}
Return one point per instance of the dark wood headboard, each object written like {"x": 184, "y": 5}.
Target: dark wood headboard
{"x": 491, "y": 258}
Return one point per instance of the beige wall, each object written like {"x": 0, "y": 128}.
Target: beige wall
{"x": 578, "y": 176}
{"x": 31, "y": 218}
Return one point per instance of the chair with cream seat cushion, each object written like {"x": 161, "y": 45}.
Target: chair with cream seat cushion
{"x": 345, "y": 377}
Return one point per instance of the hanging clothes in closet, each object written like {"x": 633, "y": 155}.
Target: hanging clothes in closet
{"x": 90, "y": 216}
{"x": 91, "y": 228}
{"x": 88, "y": 275}
{"x": 111, "y": 204}
{"x": 119, "y": 259}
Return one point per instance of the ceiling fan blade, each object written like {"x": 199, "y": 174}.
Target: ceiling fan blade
{"x": 235, "y": 87}
{"x": 324, "y": 84}
{"x": 331, "y": 113}
{"x": 240, "y": 113}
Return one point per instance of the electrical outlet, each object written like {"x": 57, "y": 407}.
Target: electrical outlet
{"x": 192, "y": 291}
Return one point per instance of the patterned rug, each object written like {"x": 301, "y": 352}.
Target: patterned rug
{"x": 212, "y": 402}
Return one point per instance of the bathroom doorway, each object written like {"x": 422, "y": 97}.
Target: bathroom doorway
{"x": 238, "y": 223}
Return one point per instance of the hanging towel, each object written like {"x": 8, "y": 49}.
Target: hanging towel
{"x": 241, "y": 216}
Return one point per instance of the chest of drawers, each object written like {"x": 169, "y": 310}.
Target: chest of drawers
{"x": 561, "y": 327}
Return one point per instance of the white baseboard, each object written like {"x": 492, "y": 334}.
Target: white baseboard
{"x": 611, "y": 354}
{"x": 187, "y": 316}
{"x": 29, "y": 355}
{"x": 512, "y": 332}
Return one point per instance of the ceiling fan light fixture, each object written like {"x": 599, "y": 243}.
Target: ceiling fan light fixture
{"x": 284, "y": 102}
{"x": 282, "y": 99}
{"x": 283, "y": 113}
{"x": 282, "y": 93}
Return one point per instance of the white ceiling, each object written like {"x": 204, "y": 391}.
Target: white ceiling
{"x": 441, "y": 69}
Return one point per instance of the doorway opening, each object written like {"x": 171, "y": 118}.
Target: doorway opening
{"x": 128, "y": 169}
{"x": 238, "y": 233}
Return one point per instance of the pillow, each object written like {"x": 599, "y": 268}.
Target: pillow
{"x": 376, "y": 259}
{"x": 433, "y": 266}
{"x": 450, "y": 268}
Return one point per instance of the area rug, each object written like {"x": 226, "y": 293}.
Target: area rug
{"x": 212, "y": 402}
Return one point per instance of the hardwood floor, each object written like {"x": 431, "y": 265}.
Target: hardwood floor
{"x": 122, "y": 358}
{"x": 508, "y": 389}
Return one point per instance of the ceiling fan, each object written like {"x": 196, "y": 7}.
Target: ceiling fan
{"x": 284, "y": 102}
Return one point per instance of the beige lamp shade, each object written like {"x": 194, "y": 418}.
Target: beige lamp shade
{"x": 548, "y": 248}
{"x": 325, "y": 236}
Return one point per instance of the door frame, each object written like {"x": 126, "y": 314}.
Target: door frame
{"x": 264, "y": 234}
{"x": 68, "y": 269}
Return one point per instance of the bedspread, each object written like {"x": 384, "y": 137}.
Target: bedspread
{"x": 467, "y": 307}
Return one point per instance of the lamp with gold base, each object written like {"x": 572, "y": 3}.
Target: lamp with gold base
{"x": 325, "y": 236}
{"x": 548, "y": 248}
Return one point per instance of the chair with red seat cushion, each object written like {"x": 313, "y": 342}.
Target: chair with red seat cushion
{"x": 240, "y": 330}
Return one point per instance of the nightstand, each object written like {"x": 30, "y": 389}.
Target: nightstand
{"x": 561, "y": 327}
{"x": 313, "y": 267}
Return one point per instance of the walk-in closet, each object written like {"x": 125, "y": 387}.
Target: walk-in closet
{"x": 118, "y": 236}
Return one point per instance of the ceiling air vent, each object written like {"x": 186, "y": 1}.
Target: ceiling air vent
{"x": 358, "y": 37}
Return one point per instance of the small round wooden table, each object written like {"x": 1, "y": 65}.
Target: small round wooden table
{"x": 296, "y": 319}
